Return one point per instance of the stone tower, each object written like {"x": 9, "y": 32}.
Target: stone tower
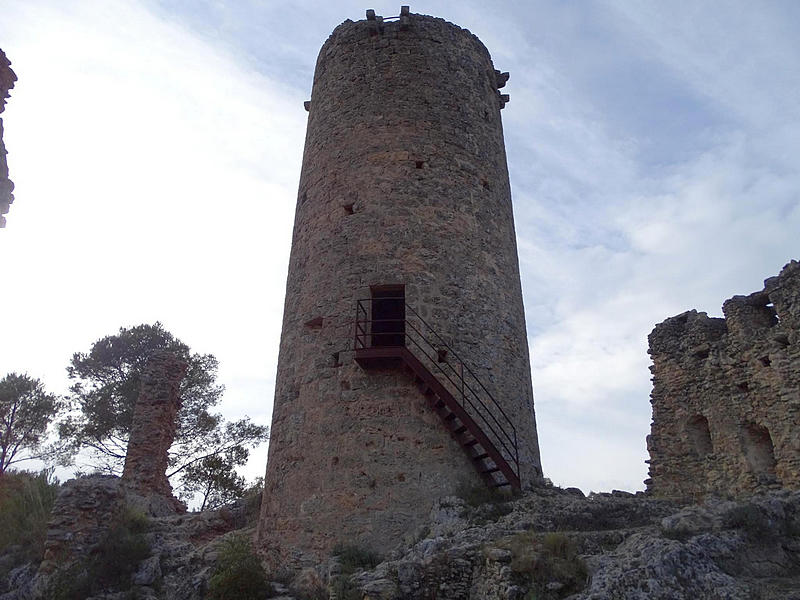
{"x": 403, "y": 373}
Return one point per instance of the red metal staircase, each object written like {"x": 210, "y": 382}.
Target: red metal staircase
{"x": 467, "y": 409}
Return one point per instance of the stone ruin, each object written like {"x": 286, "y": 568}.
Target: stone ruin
{"x": 726, "y": 396}
{"x": 152, "y": 432}
{"x": 7, "y": 79}
{"x": 87, "y": 506}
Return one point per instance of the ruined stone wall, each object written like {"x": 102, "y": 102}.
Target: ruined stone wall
{"x": 7, "y": 79}
{"x": 404, "y": 182}
{"x": 82, "y": 514}
{"x": 152, "y": 433}
{"x": 726, "y": 395}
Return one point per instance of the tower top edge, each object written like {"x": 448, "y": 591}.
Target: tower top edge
{"x": 406, "y": 22}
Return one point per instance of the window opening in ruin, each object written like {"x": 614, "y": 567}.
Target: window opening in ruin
{"x": 388, "y": 315}
{"x": 348, "y": 209}
{"x": 759, "y": 451}
{"x": 420, "y": 164}
{"x": 699, "y": 436}
{"x": 765, "y": 360}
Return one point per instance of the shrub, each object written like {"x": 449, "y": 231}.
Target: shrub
{"x": 239, "y": 573}
{"x": 344, "y": 589}
{"x": 110, "y": 565}
{"x": 26, "y": 500}
{"x": 489, "y": 504}
{"x": 751, "y": 519}
{"x": 122, "y": 549}
{"x": 478, "y": 495}
{"x": 538, "y": 560}
{"x": 354, "y": 558}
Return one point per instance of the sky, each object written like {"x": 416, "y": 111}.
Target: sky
{"x": 653, "y": 149}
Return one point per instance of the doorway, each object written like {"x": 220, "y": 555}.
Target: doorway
{"x": 388, "y": 315}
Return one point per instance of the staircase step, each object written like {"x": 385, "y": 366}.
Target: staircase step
{"x": 460, "y": 422}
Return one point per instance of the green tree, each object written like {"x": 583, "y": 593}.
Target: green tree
{"x": 215, "y": 480}
{"x": 103, "y": 397}
{"x": 26, "y": 410}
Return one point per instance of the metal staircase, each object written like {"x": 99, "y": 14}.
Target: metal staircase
{"x": 467, "y": 409}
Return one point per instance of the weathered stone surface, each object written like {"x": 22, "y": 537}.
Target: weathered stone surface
{"x": 82, "y": 515}
{"x": 726, "y": 396}
{"x": 152, "y": 433}
{"x": 404, "y": 182}
{"x": 734, "y": 550}
{"x": 7, "y": 79}
{"x": 636, "y": 547}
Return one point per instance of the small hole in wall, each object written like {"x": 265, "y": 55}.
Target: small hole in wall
{"x": 401, "y": 477}
{"x": 335, "y": 360}
{"x": 743, "y": 387}
{"x": 420, "y": 164}
{"x": 335, "y": 461}
{"x": 315, "y": 323}
{"x": 348, "y": 209}
{"x": 702, "y": 353}
{"x": 345, "y": 385}
{"x": 765, "y": 361}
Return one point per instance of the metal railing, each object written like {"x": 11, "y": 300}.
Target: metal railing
{"x": 429, "y": 347}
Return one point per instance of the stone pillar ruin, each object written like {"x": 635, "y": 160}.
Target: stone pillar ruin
{"x": 7, "y": 79}
{"x": 726, "y": 396}
{"x": 152, "y": 433}
{"x": 404, "y": 204}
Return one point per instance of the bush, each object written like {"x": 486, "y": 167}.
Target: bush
{"x": 26, "y": 500}
{"x": 118, "y": 555}
{"x": 752, "y": 520}
{"x": 344, "y": 589}
{"x": 538, "y": 561}
{"x": 354, "y": 558}
{"x": 110, "y": 565}
{"x": 478, "y": 495}
{"x": 239, "y": 573}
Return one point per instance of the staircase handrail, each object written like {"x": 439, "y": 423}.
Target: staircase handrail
{"x": 361, "y": 341}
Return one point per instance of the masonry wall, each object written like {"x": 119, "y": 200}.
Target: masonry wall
{"x": 155, "y": 421}
{"x": 404, "y": 181}
{"x": 7, "y": 79}
{"x": 726, "y": 396}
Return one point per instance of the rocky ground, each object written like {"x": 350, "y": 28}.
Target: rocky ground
{"x": 550, "y": 544}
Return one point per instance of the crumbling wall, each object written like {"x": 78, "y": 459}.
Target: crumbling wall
{"x": 7, "y": 79}
{"x": 81, "y": 516}
{"x": 726, "y": 396}
{"x": 152, "y": 433}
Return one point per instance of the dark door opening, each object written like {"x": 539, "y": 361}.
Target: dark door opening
{"x": 389, "y": 316}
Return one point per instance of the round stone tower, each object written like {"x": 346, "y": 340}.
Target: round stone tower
{"x": 403, "y": 373}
